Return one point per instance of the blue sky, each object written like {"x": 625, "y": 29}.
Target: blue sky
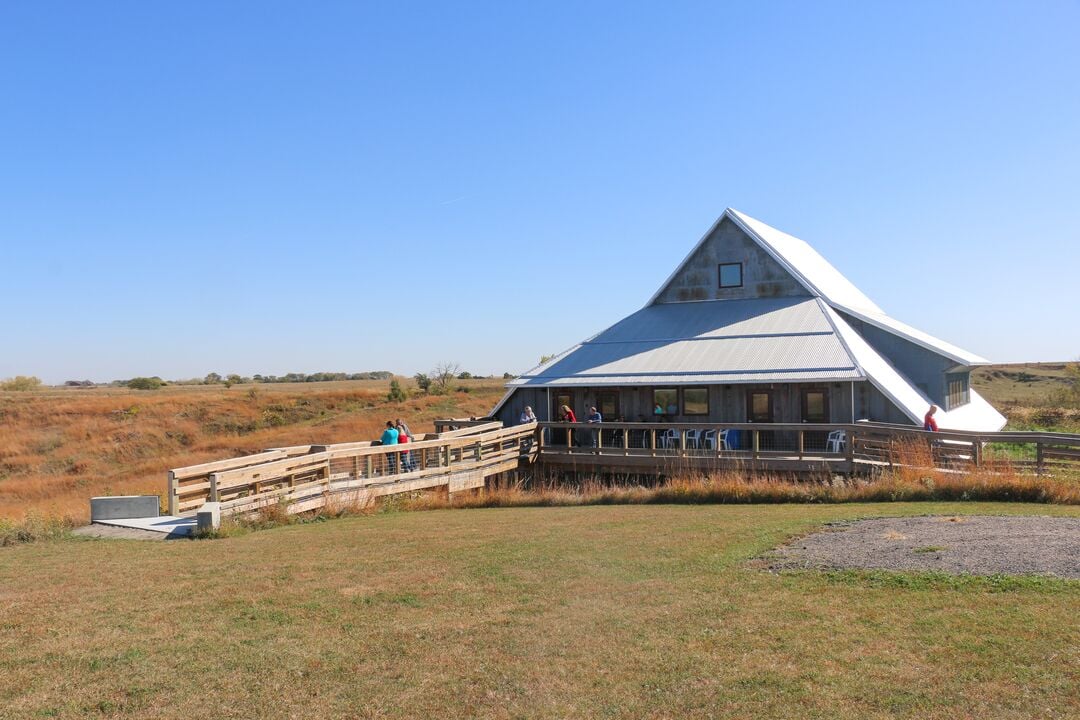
{"x": 273, "y": 187}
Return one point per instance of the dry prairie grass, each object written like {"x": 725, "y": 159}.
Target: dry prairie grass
{"x": 60, "y": 447}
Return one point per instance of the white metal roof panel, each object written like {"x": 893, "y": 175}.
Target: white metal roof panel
{"x": 807, "y": 264}
{"x": 760, "y": 340}
{"x": 977, "y": 415}
{"x": 732, "y": 378}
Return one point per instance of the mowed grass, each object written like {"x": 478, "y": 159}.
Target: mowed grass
{"x": 610, "y": 611}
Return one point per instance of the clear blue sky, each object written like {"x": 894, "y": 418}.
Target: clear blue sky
{"x": 268, "y": 187}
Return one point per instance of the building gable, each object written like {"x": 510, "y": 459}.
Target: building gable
{"x": 698, "y": 278}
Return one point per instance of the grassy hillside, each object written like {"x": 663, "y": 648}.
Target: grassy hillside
{"x": 1020, "y": 383}
{"x": 511, "y": 613}
{"x": 59, "y": 447}
{"x": 1029, "y": 395}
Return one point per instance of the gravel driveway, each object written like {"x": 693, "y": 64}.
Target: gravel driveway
{"x": 970, "y": 544}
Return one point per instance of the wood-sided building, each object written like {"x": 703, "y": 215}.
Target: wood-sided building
{"x": 755, "y": 326}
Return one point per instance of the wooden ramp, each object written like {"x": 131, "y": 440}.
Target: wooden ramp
{"x": 309, "y": 477}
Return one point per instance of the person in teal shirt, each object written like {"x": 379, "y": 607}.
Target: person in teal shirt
{"x": 390, "y": 437}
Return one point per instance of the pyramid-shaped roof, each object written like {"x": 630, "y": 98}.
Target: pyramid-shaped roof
{"x": 801, "y": 337}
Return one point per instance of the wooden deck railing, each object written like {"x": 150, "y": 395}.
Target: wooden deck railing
{"x": 807, "y": 445}
{"x": 307, "y": 477}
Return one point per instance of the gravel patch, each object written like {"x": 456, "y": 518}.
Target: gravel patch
{"x": 962, "y": 544}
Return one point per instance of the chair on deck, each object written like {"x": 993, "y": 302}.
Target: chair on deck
{"x": 693, "y": 439}
{"x": 836, "y": 442}
{"x": 669, "y": 438}
{"x": 712, "y": 437}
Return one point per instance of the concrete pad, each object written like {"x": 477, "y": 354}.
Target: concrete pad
{"x": 167, "y": 524}
{"x": 124, "y": 506}
{"x": 208, "y": 517}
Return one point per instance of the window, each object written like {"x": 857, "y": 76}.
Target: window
{"x": 815, "y": 406}
{"x": 560, "y": 400}
{"x": 608, "y": 405}
{"x": 665, "y": 401}
{"x": 695, "y": 401}
{"x": 730, "y": 275}
{"x": 759, "y": 405}
{"x": 959, "y": 392}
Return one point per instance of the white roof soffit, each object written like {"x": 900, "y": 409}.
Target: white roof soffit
{"x": 823, "y": 280}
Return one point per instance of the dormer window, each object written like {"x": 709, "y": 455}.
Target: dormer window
{"x": 730, "y": 275}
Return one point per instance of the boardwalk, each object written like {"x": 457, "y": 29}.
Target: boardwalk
{"x": 464, "y": 454}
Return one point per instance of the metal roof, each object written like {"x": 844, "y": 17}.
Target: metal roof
{"x": 823, "y": 280}
{"x": 727, "y": 341}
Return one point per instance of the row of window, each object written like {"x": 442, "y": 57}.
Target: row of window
{"x": 692, "y": 401}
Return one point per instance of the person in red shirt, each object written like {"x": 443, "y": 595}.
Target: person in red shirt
{"x": 567, "y": 414}
{"x": 929, "y": 423}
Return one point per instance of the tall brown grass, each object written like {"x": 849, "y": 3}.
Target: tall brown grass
{"x": 60, "y": 447}
{"x": 997, "y": 481}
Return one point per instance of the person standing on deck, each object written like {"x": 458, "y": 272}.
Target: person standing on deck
{"x": 390, "y": 437}
{"x": 567, "y": 415}
{"x": 405, "y": 436}
{"x": 929, "y": 423}
{"x": 594, "y": 417}
{"x": 527, "y": 416}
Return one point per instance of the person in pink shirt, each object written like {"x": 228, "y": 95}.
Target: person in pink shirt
{"x": 929, "y": 423}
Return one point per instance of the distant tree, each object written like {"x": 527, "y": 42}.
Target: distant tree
{"x": 145, "y": 383}
{"x": 465, "y": 375}
{"x": 233, "y": 379}
{"x": 79, "y": 383}
{"x": 423, "y": 381}
{"x": 396, "y": 394}
{"x": 1070, "y": 394}
{"x": 212, "y": 379}
{"x": 546, "y": 358}
{"x": 442, "y": 376}
{"x": 21, "y": 383}
{"x": 507, "y": 376}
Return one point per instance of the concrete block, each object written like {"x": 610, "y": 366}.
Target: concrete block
{"x": 208, "y": 517}
{"x": 117, "y": 507}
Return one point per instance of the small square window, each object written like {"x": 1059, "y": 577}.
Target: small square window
{"x": 695, "y": 401}
{"x": 730, "y": 275}
{"x": 665, "y": 401}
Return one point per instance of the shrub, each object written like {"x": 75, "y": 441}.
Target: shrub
{"x": 396, "y": 394}
{"x": 145, "y": 383}
{"x": 21, "y": 383}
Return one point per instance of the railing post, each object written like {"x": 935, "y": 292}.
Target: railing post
{"x": 976, "y": 452}
{"x": 1039, "y": 461}
{"x": 802, "y": 444}
{"x": 174, "y": 493}
{"x": 652, "y": 440}
{"x": 849, "y": 450}
{"x": 626, "y": 440}
{"x": 213, "y": 488}
{"x": 682, "y": 442}
{"x": 757, "y": 443}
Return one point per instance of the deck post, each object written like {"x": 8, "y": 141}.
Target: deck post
{"x": 652, "y": 440}
{"x": 849, "y": 451}
{"x": 802, "y": 444}
{"x": 174, "y": 493}
{"x": 976, "y": 451}
{"x": 626, "y": 440}
{"x": 1039, "y": 460}
{"x": 757, "y": 444}
{"x": 213, "y": 488}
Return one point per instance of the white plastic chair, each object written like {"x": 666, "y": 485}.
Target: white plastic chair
{"x": 837, "y": 441}
{"x": 711, "y": 438}
{"x": 693, "y": 439}
{"x": 669, "y": 438}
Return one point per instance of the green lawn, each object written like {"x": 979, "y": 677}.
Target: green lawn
{"x": 613, "y": 611}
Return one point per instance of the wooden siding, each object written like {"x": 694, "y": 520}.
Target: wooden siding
{"x": 763, "y": 276}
